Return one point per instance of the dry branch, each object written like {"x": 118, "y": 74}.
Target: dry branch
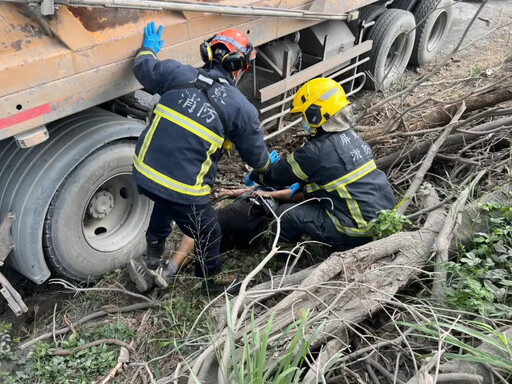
{"x": 455, "y": 139}
{"x": 92, "y": 316}
{"x": 445, "y": 237}
{"x": 67, "y": 352}
{"x": 425, "y": 166}
{"x": 442, "y": 116}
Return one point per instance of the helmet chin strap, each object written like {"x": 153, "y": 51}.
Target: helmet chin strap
{"x": 236, "y": 76}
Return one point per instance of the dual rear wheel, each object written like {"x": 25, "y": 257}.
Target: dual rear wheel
{"x": 401, "y": 37}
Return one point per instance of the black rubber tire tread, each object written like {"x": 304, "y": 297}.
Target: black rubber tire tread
{"x": 386, "y": 29}
{"x": 76, "y": 259}
{"x": 427, "y": 9}
{"x": 401, "y": 4}
{"x": 371, "y": 12}
{"x": 30, "y": 177}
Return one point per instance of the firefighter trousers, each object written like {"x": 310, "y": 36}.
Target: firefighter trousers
{"x": 196, "y": 221}
{"x": 311, "y": 219}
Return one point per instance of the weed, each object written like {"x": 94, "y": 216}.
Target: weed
{"x": 181, "y": 313}
{"x": 261, "y": 362}
{"x": 481, "y": 278}
{"x": 387, "y": 223}
{"x": 7, "y": 343}
{"x": 85, "y": 366}
{"x": 499, "y": 356}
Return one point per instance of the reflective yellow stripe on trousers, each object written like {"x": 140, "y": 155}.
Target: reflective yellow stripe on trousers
{"x": 192, "y": 126}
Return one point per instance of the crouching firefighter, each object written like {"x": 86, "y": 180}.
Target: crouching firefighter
{"x": 176, "y": 155}
{"x": 336, "y": 166}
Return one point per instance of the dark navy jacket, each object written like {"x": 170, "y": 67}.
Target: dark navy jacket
{"x": 176, "y": 155}
{"x": 339, "y": 167}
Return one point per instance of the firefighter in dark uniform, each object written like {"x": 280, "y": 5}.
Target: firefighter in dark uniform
{"x": 176, "y": 156}
{"x": 336, "y": 166}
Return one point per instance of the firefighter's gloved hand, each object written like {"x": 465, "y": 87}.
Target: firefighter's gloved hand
{"x": 274, "y": 156}
{"x": 248, "y": 181}
{"x": 152, "y": 37}
{"x": 294, "y": 188}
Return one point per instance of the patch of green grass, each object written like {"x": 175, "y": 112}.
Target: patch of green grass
{"x": 478, "y": 69}
{"x": 458, "y": 336}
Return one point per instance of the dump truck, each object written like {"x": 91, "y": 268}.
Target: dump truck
{"x": 70, "y": 111}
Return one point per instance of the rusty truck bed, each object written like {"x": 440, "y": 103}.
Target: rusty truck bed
{"x": 54, "y": 66}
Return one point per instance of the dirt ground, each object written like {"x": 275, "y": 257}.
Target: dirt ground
{"x": 483, "y": 59}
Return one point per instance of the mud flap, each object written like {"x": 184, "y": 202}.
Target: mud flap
{"x": 6, "y": 245}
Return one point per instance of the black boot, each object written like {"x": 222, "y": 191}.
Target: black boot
{"x": 154, "y": 251}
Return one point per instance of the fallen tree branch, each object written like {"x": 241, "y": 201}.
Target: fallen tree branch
{"x": 124, "y": 357}
{"x": 425, "y": 166}
{"x": 444, "y": 239}
{"x": 67, "y": 352}
{"x": 92, "y": 316}
{"x": 484, "y": 100}
{"x": 454, "y": 139}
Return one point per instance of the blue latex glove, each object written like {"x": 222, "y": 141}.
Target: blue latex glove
{"x": 274, "y": 156}
{"x": 294, "y": 189}
{"x": 152, "y": 37}
{"x": 248, "y": 181}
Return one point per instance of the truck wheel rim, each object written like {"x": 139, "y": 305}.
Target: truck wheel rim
{"x": 113, "y": 216}
{"x": 396, "y": 52}
{"x": 437, "y": 32}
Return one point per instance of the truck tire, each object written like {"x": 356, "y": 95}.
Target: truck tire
{"x": 368, "y": 14}
{"x": 371, "y": 12}
{"x": 433, "y": 19}
{"x": 393, "y": 41}
{"x": 97, "y": 218}
{"x": 401, "y": 4}
{"x": 34, "y": 178}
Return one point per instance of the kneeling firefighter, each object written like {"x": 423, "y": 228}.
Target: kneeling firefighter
{"x": 176, "y": 156}
{"x": 336, "y": 165}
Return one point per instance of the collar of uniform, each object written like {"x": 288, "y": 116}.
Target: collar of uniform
{"x": 216, "y": 70}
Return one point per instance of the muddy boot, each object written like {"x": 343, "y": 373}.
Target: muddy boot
{"x": 143, "y": 282}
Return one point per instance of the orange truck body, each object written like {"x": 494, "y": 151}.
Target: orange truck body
{"x": 54, "y": 66}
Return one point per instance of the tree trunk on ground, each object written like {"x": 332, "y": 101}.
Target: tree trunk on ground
{"x": 350, "y": 286}
{"x": 441, "y": 116}
{"x": 475, "y": 218}
{"x": 456, "y": 139}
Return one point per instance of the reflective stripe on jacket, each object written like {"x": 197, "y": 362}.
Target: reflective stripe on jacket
{"x": 176, "y": 155}
{"x": 339, "y": 168}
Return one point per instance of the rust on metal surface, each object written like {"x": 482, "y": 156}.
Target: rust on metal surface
{"x": 97, "y": 19}
{"x": 86, "y": 58}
